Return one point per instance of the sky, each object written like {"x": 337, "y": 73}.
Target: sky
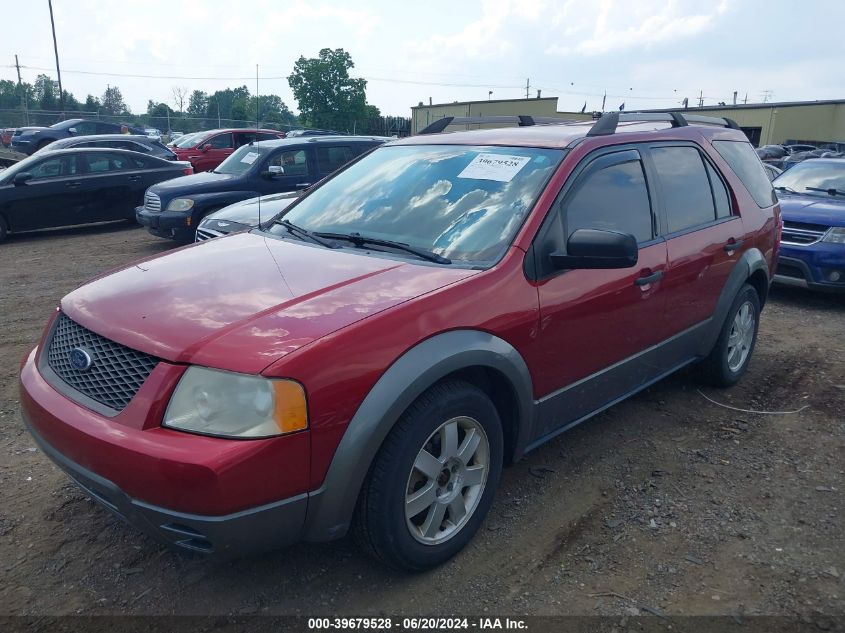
{"x": 645, "y": 54}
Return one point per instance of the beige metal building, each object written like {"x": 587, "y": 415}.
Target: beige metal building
{"x": 812, "y": 122}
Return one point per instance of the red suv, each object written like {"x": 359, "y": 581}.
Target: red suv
{"x": 422, "y": 317}
{"x": 207, "y": 150}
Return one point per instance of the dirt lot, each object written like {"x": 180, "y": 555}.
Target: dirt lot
{"x": 664, "y": 503}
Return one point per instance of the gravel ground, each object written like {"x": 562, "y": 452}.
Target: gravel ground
{"x": 666, "y": 503}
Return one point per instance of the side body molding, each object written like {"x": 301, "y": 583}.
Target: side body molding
{"x": 330, "y": 508}
{"x": 748, "y": 264}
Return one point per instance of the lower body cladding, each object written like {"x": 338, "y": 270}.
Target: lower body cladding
{"x": 242, "y": 533}
{"x": 174, "y": 226}
{"x": 817, "y": 267}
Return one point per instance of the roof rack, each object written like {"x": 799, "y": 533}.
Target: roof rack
{"x": 522, "y": 120}
{"x": 608, "y": 122}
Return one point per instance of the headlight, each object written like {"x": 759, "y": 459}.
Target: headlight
{"x": 835, "y": 235}
{"x": 215, "y": 402}
{"x": 180, "y": 204}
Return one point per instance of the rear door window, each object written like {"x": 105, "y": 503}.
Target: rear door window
{"x": 332, "y": 158}
{"x": 687, "y": 196}
{"x": 749, "y": 169}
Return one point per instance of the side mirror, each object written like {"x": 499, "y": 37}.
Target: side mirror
{"x": 205, "y": 147}
{"x": 22, "y": 178}
{"x": 591, "y": 248}
{"x": 72, "y": 131}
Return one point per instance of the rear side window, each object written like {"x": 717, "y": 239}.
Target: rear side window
{"x": 330, "y": 159}
{"x": 614, "y": 198}
{"x": 720, "y": 193}
{"x": 685, "y": 186}
{"x": 221, "y": 141}
{"x": 746, "y": 164}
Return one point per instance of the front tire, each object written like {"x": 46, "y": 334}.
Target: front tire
{"x": 729, "y": 359}
{"x": 433, "y": 480}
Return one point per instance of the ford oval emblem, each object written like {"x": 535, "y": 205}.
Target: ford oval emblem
{"x": 80, "y": 359}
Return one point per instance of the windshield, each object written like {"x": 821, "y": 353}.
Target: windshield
{"x": 814, "y": 174}
{"x": 464, "y": 203}
{"x": 242, "y": 159}
{"x": 64, "y": 124}
{"x": 192, "y": 139}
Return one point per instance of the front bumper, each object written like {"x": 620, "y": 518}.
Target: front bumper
{"x": 193, "y": 492}
{"x": 251, "y": 531}
{"x": 175, "y": 226}
{"x": 811, "y": 266}
{"x": 23, "y": 146}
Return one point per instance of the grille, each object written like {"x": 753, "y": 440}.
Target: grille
{"x": 116, "y": 372}
{"x": 802, "y": 233}
{"x": 207, "y": 234}
{"x": 152, "y": 202}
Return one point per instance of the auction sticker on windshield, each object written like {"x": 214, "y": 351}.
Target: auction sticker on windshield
{"x": 494, "y": 167}
{"x": 249, "y": 158}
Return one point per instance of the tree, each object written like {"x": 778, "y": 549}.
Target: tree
{"x": 197, "y": 103}
{"x": 92, "y": 104}
{"x": 180, "y": 96}
{"x": 327, "y": 96}
{"x": 112, "y": 102}
{"x": 45, "y": 93}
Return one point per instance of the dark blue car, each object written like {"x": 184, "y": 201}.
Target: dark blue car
{"x": 812, "y": 200}
{"x": 29, "y": 140}
{"x": 174, "y": 209}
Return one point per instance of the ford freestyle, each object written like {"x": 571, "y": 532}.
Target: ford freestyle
{"x": 422, "y": 317}
{"x": 812, "y": 197}
{"x": 174, "y": 209}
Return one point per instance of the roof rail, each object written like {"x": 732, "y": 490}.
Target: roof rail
{"x": 608, "y": 123}
{"x": 522, "y": 120}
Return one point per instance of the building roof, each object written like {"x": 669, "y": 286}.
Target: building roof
{"x": 460, "y": 103}
{"x": 753, "y": 106}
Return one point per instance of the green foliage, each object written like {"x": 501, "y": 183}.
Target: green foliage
{"x": 112, "y": 102}
{"x": 327, "y": 96}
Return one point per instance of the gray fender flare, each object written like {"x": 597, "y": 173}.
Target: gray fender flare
{"x": 330, "y": 508}
{"x": 749, "y": 263}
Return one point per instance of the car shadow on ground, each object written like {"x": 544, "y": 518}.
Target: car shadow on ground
{"x": 88, "y": 230}
{"x": 802, "y": 297}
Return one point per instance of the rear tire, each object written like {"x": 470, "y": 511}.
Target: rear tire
{"x": 731, "y": 354}
{"x": 4, "y": 228}
{"x": 433, "y": 480}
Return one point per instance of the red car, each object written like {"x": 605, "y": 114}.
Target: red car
{"x": 422, "y": 317}
{"x": 207, "y": 150}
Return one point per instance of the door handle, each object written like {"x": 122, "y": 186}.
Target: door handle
{"x": 732, "y": 245}
{"x": 648, "y": 279}
{"x": 302, "y": 184}
{"x": 73, "y": 185}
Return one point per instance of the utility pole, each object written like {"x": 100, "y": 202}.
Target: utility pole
{"x": 56, "y": 51}
{"x": 217, "y": 99}
{"x": 734, "y": 97}
{"x": 527, "y": 88}
{"x": 23, "y": 92}
{"x": 700, "y": 98}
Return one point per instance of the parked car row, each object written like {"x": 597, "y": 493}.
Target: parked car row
{"x": 786, "y": 156}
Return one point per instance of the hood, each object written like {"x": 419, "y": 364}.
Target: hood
{"x": 246, "y": 212}
{"x": 31, "y": 128}
{"x": 243, "y": 301}
{"x": 812, "y": 209}
{"x": 195, "y": 183}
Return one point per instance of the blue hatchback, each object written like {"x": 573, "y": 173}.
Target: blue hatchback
{"x": 812, "y": 200}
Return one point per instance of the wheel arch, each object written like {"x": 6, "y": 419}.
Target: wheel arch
{"x": 477, "y": 357}
{"x": 750, "y": 268}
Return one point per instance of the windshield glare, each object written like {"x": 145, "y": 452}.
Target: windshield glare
{"x": 462, "y": 202}
{"x": 242, "y": 159}
{"x": 191, "y": 140}
{"x": 817, "y": 174}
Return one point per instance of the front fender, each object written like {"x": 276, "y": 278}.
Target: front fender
{"x": 331, "y": 507}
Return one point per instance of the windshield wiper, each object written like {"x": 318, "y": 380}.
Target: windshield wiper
{"x": 831, "y": 192}
{"x": 298, "y": 230}
{"x": 786, "y": 189}
{"x": 359, "y": 240}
